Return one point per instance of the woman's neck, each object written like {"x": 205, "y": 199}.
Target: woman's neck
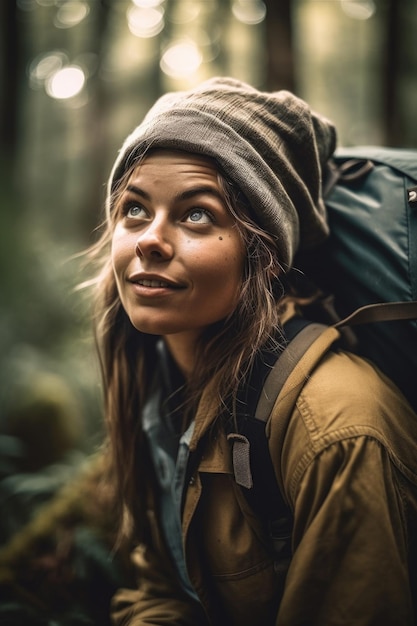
{"x": 182, "y": 348}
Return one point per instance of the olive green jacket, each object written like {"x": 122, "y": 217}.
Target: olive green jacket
{"x": 344, "y": 446}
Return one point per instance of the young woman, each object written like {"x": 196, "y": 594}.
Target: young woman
{"x": 208, "y": 201}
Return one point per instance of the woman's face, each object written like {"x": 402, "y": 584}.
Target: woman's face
{"x": 177, "y": 253}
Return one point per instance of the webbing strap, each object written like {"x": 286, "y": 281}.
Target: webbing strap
{"x": 381, "y": 312}
{"x": 241, "y": 460}
{"x": 284, "y": 365}
{"x": 274, "y": 382}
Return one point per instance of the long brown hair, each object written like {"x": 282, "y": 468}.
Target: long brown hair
{"x": 224, "y": 354}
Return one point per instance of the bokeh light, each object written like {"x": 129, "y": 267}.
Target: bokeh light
{"x": 249, "y": 12}
{"x": 358, "y": 9}
{"x": 145, "y": 22}
{"x": 65, "y": 83}
{"x": 147, "y": 4}
{"x": 44, "y": 65}
{"x": 71, "y": 13}
{"x": 181, "y": 59}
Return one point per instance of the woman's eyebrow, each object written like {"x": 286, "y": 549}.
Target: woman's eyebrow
{"x": 138, "y": 191}
{"x": 200, "y": 190}
{"x": 182, "y": 195}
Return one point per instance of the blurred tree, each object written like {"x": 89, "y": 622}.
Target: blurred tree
{"x": 10, "y": 72}
{"x": 280, "y": 56}
{"x": 97, "y": 115}
{"x": 400, "y": 18}
{"x": 356, "y": 61}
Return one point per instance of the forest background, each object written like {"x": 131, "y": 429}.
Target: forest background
{"x": 76, "y": 76}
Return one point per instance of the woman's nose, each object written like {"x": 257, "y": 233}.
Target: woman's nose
{"x": 155, "y": 242}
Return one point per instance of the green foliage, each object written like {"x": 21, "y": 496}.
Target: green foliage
{"x": 57, "y": 561}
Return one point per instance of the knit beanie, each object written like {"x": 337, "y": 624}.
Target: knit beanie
{"x": 271, "y": 145}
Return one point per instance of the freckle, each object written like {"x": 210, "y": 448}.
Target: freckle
{"x": 220, "y": 238}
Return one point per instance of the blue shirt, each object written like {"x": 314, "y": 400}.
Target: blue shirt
{"x": 169, "y": 451}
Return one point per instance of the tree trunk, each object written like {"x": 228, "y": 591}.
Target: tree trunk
{"x": 280, "y": 58}
{"x": 9, "y": 78}
{"x": 392, "y": 121}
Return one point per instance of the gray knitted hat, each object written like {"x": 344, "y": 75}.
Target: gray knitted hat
{"x": 271, "y": 145}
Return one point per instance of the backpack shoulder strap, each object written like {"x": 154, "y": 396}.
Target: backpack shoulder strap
{"x": 300, "y": 334}
{"x": 286, "y": 362}
{"x": 262, "y": 490}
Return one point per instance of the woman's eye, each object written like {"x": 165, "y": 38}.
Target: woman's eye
{"x": 135, "y": 210}
{"x": 199, "y": 216}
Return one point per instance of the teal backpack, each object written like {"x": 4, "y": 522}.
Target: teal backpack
{"x": 371, "y": 254}
{"x": 369, "y": 266}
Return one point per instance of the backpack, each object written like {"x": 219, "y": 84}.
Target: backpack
{"x": 369, "y": 265}
{"x": 371, "y": 254}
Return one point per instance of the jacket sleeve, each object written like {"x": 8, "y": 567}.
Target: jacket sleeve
{"x": 350, "y": 543}
{"x": 157, "y": 600}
